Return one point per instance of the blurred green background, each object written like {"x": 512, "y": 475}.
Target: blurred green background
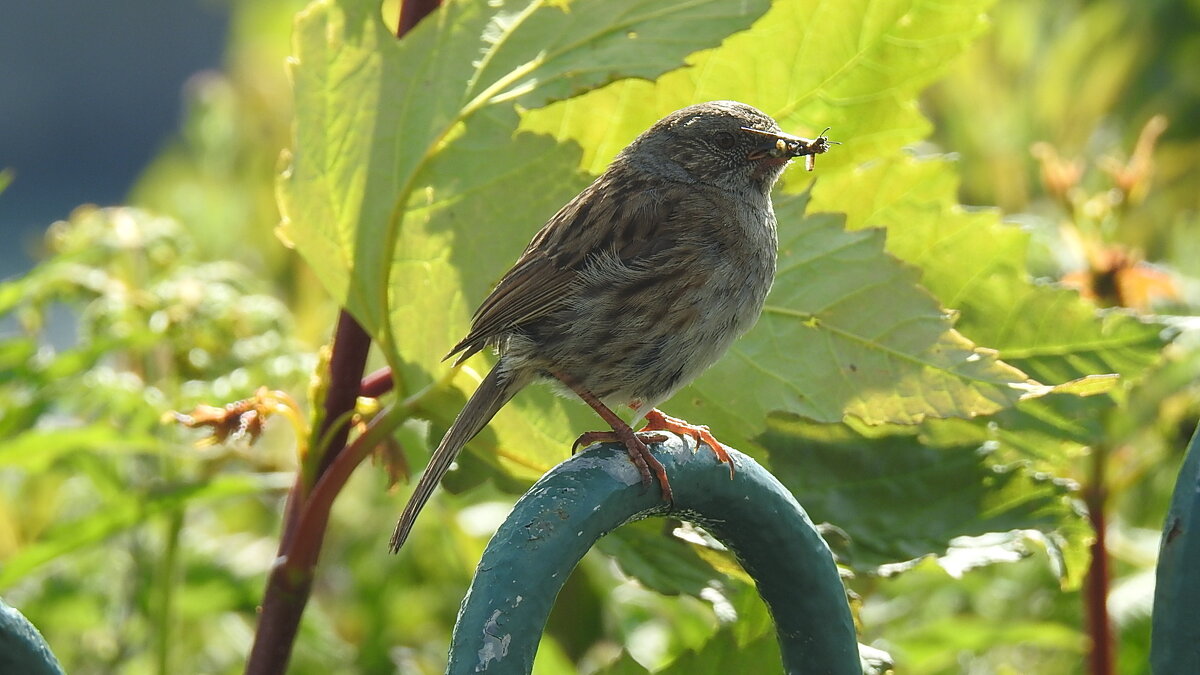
{"x": 136, "y": 552}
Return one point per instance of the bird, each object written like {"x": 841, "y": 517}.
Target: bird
{"x": 635, "y": 286}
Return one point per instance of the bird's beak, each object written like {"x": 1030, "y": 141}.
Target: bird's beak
{"x": 781, "y": 146}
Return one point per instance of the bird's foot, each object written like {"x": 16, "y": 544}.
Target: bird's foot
{"x": 639, "y": 453}
{"x": 658, "y": 421}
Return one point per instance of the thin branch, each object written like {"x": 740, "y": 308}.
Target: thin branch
{"x": 1096, "y": 583}
{"x": 376, "y": 384}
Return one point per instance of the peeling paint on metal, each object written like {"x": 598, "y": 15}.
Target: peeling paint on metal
{"x": 495, "y": 646}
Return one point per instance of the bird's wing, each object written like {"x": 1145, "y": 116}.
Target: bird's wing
{"x": 532, "y": 288}
{"x": 619, "y": 222}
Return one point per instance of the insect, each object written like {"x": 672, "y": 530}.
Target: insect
{"x": 794, "y": 146}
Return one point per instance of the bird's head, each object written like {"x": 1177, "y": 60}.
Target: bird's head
{"x": 723, "y": 143}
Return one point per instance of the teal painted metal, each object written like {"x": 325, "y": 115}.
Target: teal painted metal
{"x": 22, "y": 648}
{"x": 1175, "y": 626}
{"x": 593, "y": 493}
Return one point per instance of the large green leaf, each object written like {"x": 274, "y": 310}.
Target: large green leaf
{"x": 976, "y": 264}
{"x": 856, "y": 66}
{"x": 846, "y": 331}
{"x": 459, "y": 237}
{"x": 898, "y": 498}
{"x": 896, "y": 356}
{"x": 864, "y": 85}
{"x": 371, "y": 111}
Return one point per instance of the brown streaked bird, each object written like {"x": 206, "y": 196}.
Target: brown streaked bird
{"x": 637, "y": 285}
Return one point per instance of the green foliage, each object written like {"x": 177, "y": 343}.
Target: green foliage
{"x": 1081, "y": 80}
{"x": 90, "y": 471}
{"x": 856, "y": 67}
{"x": 866, "y": 486}
{"x": 148, "y": 308}
{"x": 721, "y": 654}
{"x": 847, "y": 332}
{"x": 918, "y": 379}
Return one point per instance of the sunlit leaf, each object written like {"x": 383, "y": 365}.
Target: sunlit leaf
{"x": 854, "y": 66}
{"x": 938, "y": 647}
{"x": 977, "y": 265}
{"x": 373, "y": 111}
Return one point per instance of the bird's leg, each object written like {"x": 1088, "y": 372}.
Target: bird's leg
{"x": 656, "y": 420}
{"x": 621, "y": 432}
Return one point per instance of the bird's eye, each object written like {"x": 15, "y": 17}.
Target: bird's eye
{"x": 724, "y": 140}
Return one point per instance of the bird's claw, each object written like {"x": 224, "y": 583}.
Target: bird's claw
{"x": 648, "y": 467}
{"x": 589, "y": 437}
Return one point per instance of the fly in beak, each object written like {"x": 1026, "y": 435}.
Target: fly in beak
{"x": 781, "y": 146}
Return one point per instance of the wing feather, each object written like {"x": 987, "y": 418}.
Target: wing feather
{"x": 602, "y": 219}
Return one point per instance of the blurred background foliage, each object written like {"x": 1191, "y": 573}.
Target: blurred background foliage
{"x": 136, "y": 550}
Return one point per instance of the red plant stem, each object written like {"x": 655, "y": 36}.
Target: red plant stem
{"x": 305, "y": 550}
{"x": 411, "y": 13}
{"x": 307, "y": 512}
{"x": 1095, "y": 584}
{"x": 290, "y": 580}
{"x": 376, "y": 384}
{"x": 350, "y": 346}
{"x": 284, "y": 599}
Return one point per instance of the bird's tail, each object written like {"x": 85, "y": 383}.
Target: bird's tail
{"x": 495, "y": 390}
